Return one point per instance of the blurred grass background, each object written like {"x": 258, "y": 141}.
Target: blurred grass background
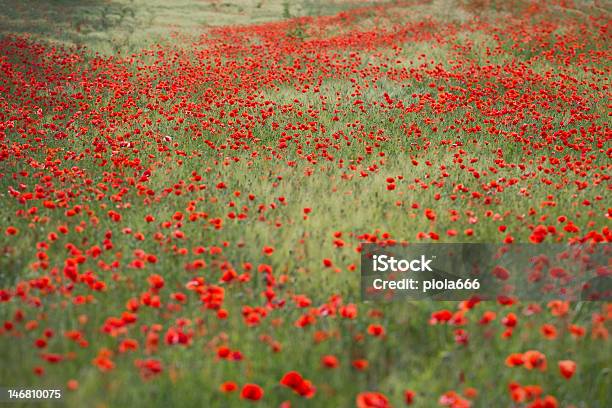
{"x": 111, "y": 26}
{"x": 128, "y": 26}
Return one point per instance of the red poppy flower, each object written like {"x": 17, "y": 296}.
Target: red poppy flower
{"x": 228, "y": 386}
{"x": 409, "y": 396}
{"x": 252, "y": 392}
{"x": 372, "y": 400}
{"x": 567, "y": 368}
{"x": 330, "y": 361}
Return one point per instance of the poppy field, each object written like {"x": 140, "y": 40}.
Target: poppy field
{"x": 182, "y": 217}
